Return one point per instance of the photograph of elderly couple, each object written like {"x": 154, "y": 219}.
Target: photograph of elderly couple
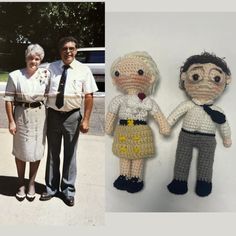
{"x": 52, "y": 112}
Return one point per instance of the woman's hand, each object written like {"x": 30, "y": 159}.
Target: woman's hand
{"x": 12, "y": 127}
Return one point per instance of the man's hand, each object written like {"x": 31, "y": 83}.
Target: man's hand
{"x": 84, "y": 126}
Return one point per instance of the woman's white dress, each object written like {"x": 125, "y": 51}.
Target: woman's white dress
{"x": 30, "y": 137}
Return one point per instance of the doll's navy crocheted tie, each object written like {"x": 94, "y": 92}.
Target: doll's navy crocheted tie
{"x": 61, "y": 88}
{"x": 216, "y": 116}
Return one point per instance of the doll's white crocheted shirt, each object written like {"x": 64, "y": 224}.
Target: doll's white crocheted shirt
{"x": 131, "y": 107}
{"x": 196, "y": 119}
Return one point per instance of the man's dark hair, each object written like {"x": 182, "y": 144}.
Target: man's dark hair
{"x": 204, "y": 58}
{"x": 64, "y": 40}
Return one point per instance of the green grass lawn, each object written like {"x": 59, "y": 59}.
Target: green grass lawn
{"x": 3, "y": 76}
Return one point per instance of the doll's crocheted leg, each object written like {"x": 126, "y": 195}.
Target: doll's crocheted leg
{"x": 205, "y": 167}
{"x": 135, "y": 182}
{"x": 122, "y": 181}
{"x": 179, "y": 184}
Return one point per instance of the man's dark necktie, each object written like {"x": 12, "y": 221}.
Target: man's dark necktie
{"x": 61, "y": 88}
{"x": 216, "y": 116}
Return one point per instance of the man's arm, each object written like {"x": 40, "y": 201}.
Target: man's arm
{"x": 88, "y": 106}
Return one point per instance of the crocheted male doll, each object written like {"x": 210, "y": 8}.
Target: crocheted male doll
{"x": 204, "y": 78}
{"x": 135, "y": 74}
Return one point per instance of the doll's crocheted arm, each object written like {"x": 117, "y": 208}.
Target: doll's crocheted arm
{"x": 179, "y": 111}
{"x": 111, "y": 116}
{"x": 110, "y": 120}
{"x": 161, "y": 120}
{"x": 224, "y": 129}
{"x": 226, "y": 134}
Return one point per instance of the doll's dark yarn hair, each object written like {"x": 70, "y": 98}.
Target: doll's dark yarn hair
{"x": 204, "y": 58}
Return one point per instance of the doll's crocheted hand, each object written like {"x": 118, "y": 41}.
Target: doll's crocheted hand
{"x": 165, "y": 130}
{"x": 227, "y": 142}
{"x": 164, "y": 126}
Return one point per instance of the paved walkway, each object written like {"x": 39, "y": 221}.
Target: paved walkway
{"x": 89, "y": 206}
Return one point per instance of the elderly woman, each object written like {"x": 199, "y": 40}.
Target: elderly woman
{"x": 24, "y": 100}
{"x": 135, "y": 74}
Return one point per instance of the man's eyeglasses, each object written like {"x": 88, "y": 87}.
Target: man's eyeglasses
{"x": 70, "y": 49}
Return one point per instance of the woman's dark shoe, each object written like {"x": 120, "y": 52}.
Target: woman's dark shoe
{"x": 134, "y": 185}
{"x": 178, "y": 187}
{"x": 30, "y": 197}
{"x": 20, "y": 197}
{"x": 121, "y": 182}
{"x": 203, "y": 188}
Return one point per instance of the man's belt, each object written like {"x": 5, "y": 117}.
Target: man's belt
{"x": 64, "y": 112}
{"x": 131, "y": 122}
{"x": 28, "y": 104}
{"x": 196, "y": 132}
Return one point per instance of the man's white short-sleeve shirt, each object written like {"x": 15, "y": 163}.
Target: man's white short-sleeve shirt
{"x": 79, "y": 81}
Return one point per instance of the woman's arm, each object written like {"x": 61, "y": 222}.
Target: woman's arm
{"x": 11, "y": 121}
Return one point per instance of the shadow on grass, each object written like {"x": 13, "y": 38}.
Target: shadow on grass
{"x": 8, "y": 186}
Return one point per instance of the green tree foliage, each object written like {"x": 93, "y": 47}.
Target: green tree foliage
{"x": 45, "y": 23}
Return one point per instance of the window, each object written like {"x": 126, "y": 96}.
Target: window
{"x": 91, "y": 56}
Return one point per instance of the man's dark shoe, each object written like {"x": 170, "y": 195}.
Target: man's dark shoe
{"x": 45, "y": 196}
{"x": 69, "y": 201}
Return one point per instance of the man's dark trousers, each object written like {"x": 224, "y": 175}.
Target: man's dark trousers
{"x": 62, "y": 125}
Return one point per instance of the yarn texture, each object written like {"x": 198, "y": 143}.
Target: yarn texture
{"x": 204, "y": 77}
{"x": 136, "y": 75}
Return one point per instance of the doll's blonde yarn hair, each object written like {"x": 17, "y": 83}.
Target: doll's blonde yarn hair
{"x": 145, "y": 58}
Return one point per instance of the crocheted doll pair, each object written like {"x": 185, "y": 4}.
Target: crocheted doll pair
{"x": 204, "y": 77}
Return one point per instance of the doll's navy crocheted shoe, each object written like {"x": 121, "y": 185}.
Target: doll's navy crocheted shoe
{"x": 178, "y": 187}
{"x": 203, "y": 188}
{"x": 121, "y": 182}
{"x": 134, "y": 185}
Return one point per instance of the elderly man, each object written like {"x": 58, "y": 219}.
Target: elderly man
{"x": 70, "y": 80}
{"x": 204, "y": 78}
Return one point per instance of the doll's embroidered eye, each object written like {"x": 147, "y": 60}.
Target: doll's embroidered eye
{"x": 217, "y": 79}
{"x": 195, "y": 77}
{"x": 117, "y": 73}
{"x": 140, "y": 72}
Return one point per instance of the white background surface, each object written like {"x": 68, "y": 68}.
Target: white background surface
{"x": 170, "y": 38}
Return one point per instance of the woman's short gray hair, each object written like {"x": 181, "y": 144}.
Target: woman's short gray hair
{"x": 34, "y": 49}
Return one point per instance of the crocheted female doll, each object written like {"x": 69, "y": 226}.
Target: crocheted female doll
{"x": 204, "y": 78}
{"x": 135, "y": 74}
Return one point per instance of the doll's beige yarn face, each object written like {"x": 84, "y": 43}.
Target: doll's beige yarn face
{"x": 132, "y": 76}
{"x": 204, "y": 82}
